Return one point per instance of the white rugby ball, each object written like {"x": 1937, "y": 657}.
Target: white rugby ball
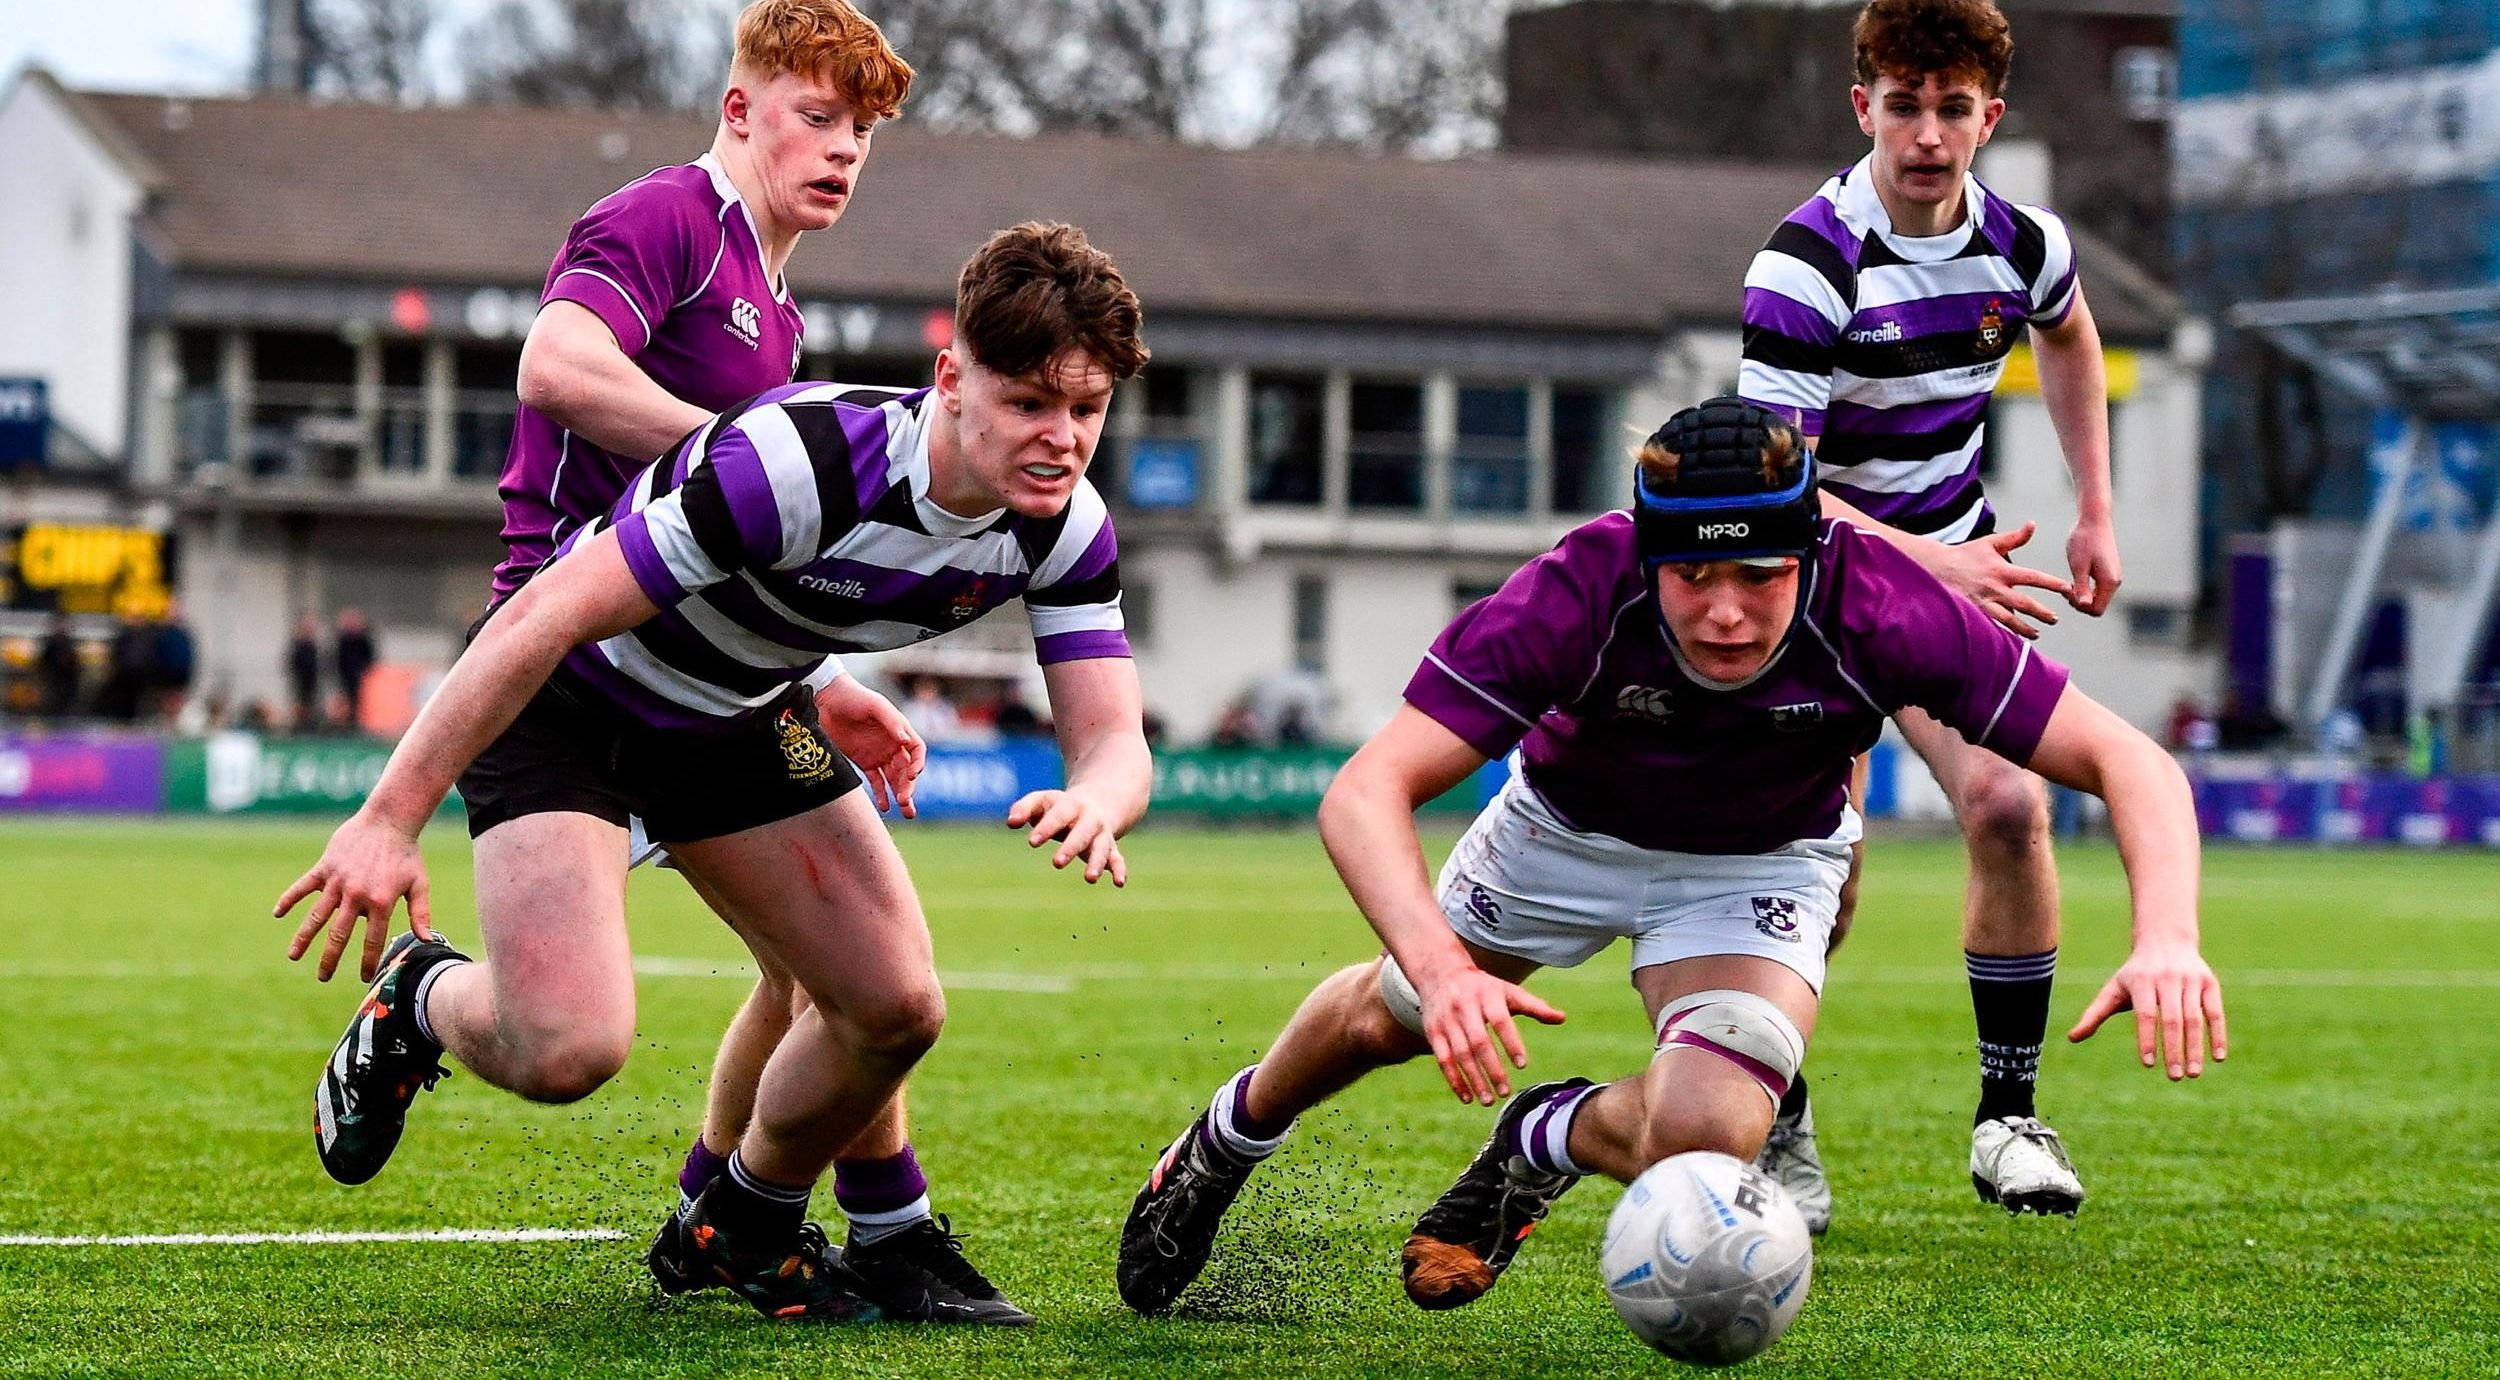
{"x": 1706, "y": 1259}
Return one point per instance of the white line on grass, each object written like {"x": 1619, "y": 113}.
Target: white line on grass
{"x": 320, "y": 1238}
{"x": 1057, "y": 984}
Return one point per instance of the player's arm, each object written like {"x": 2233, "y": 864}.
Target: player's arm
{"x": 876, "y": 737}
{"x": 1098, "y": 712}
{"x": 372, "y": 860}
{"x": 1982, "y": 571}
{"x": 2075, "y": 386}
{"x": 2175, "y": 996}
{"x": 1367, "y": 822}
{"x": 574, "y": 372}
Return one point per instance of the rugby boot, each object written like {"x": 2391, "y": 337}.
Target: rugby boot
{"x": 795, "y": 1280}
{"x": 920, "y": 1274}
{"x": 1171, "y": 1227}
{"x": 2019, "y": 1163}
{"x": 360, "y": 1106}
{"x": 1462, "y": 1243}
{"x": 675, "y": 1269}
{"x": 1790, "y": 1160}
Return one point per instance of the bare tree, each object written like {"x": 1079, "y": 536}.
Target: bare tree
{"x": 371, "y": 50}
{"x": 607, "y": 54}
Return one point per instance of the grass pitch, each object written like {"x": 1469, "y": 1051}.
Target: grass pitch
{"x": 2323, "y": 1204}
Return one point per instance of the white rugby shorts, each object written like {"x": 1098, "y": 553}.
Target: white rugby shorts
{"x": 1522, "y": 882}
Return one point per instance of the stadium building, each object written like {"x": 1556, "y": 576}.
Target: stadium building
{"x": 2337, "y": 169}
{"x": 287, "y": 332}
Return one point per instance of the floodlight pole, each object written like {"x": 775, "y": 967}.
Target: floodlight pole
{"x": 2326, "y": 689}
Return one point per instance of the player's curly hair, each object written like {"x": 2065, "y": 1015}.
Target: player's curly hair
{"x": 1040, "y": 288}
{"x": 1782, "y": 453}
{"x": 827, "y": 40}
{"x": 1956, "y": 40}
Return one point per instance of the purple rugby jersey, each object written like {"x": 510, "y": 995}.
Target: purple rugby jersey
{"x": 799, "y": 527}
{"x": 671, "y": 263}
{"x": 1619, "y": 740}
{"x": 1886, "y": 346}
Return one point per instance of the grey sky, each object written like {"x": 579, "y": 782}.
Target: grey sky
{"x": 150, "y": 45}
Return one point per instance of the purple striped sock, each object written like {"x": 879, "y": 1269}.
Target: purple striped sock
{"x": 1542, "y": 1135}
{"x": 703, "y": 1164}
{"x": 867, "y": 1187}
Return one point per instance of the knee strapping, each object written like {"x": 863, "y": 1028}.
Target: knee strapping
{"x": 1747, "y": 1030}
{"x": 1405, "y": 1003}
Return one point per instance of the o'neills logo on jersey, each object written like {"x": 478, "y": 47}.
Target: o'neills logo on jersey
{"x": 745, "y": 323}
{"x": 1991, "y": 326}
{"x": 1884, "y": 334}
{"x": 847, "y": 589}
{"x": 802, "y": 751}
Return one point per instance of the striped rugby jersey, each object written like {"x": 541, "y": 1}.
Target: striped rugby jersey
{"x": 1887, "y": 346}
{"x": 798, "y": 526}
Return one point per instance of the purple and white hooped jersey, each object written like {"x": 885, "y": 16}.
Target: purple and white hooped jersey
{"x": 672, "y": 264}
{"x": 800, "y": 527}
{"x": 1887, "y": 346}
{"x": 1568, "y": 661}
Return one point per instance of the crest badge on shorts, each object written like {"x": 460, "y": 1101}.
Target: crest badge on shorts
{"x": 1776, "y": 916}
{"x": 802, "y": 751}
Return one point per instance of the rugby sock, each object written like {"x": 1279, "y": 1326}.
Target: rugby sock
{"x": 1793, "y": 1102}
{"x": 703, "y": 1164}
{"x": 425, "y": 988}
{"x": 1232, "y": 1131}
{"x": 2010, "y": 996}
{"x": 1542, "y": 1137}
{"x": 881, "y": 1196}
{"x": 758, "y": 1209}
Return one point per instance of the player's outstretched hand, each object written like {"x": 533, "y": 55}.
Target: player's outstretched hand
{"x": 2177, "y": 1002}
{"x": 877, "y": 739}
{"x": 367, "y": 867}
{"x": 1081, "y": 827}
{"x": 2092, "y": 554}
{"x": 1983, "y": 571}
{"x": 1463, "y": 1012}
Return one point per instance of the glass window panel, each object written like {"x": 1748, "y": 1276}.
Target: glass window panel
{"x": 1285, "y": 425}
{"x": 1589, "y": 473}
{"x": 1489, "y": 467}
{"x": 1385, "y": 448}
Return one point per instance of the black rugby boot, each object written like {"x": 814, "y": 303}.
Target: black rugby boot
{"x": 920, "y": 1274}
{"x": 1463, "y": 1242}
{"x": 1171, "y": 1227}
{"x": 380, "y": 1065}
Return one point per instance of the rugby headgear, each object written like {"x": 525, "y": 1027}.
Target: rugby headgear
{"x": 1721, "y": 506}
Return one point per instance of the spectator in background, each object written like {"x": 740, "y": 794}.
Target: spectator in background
{"x": 130, "y": 673}
{"x": 303, "y": 673}
{"x": 352, "y": 654}
{"x": 176, "y": 663}
{"x": 57, "y": 671}
{"x": 1016, "y": 719}
{"x": 1239, "y": 728}
{"x": 931, "y": 712}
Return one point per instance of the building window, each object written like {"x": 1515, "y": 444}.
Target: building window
{"x": 1310, "y": 622}
{"x": 1489, "y": 464}
{"x": 2146, "y": 81}
{"x": 1149, "y": 456}
{"x": 1285, "y": 438}
{"x": 485, "y": 378}
{"x": 1385, "y": 447}
{"x": 1589, "y": 473}
{"x": 403, "y": 408}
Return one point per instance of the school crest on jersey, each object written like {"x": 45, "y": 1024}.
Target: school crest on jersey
{"x": 805, "y": 754}
{"x": 965, "y": 607}
{"x": 1991, "y": 327}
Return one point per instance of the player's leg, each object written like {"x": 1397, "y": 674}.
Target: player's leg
{"x": 2009, "y": 943}
{"x": 825, "y": 897}
{"x": 1791, "y": 1154}
{"x": 550, "y": 1015}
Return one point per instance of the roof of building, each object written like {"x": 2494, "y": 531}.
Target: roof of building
{"x": 456, "y": 194}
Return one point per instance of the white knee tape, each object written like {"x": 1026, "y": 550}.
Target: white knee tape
{"x": 1747, "y": 1030}
{"x": 1404, "y": 1001}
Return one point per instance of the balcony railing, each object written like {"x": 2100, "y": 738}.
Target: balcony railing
{"x": 318, "y": 433}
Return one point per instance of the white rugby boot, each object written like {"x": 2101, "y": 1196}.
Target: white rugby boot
{"x": 2018, "y": 1162}
{"x": 1789, "y": 1157}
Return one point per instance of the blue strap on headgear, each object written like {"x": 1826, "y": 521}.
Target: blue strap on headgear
{"x": 1720, "y": 507}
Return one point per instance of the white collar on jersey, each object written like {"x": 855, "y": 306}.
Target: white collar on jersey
{"x": 1860, "y": 206}
{"x": 728, "y": 191}
{"x": 911, "y": 469}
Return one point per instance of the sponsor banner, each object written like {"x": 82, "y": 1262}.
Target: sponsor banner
{"x": 2393, "y": 809}
{"x": 2373, "y": 133}
{"x": 244, "y": 773}
{"x": 1246, "y": 781}
{"x": 965, "y": 782}
{"x": 81, "y": 773}
{"x": 86, "y": 568}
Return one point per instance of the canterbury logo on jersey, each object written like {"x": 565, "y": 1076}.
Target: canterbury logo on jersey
{"x": 745, "y": 323}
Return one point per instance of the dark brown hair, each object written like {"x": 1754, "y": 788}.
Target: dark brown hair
{"x": 1041, "y": 288}
{"x": 1781, "y": 456}
{"x": 1951, "y": 40}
